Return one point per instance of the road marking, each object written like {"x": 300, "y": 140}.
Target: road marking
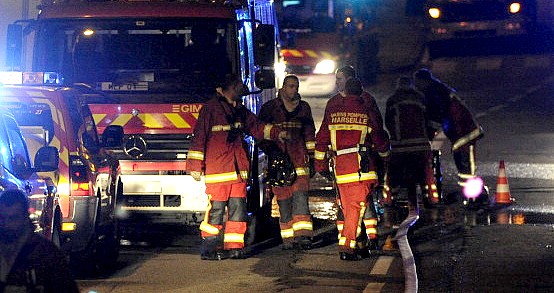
{"x": 374, "y": 287}
{"x": 382, "y": 265}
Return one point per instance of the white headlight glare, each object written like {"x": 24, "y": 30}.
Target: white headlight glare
{"x": 434, "y": 12}
{"x": 515, "y": 7}
{"x": 326, "y": 66}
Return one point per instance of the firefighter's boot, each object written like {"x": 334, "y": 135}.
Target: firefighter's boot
{"x": 209, "y": 249}
{"x": 304, "y": 242}
{"x": 237, "y": 253}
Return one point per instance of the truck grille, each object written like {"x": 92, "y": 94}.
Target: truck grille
{"x": 299, "y": 69}
{"x": 477, "y": 11}
{"x": 158, "y": 147}
{"x": 151, "y": 200}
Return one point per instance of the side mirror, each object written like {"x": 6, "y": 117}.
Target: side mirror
{"x": 47, "y": 159}
{"x": 112, "y": 136}
{"x": 14, "y": 46}
{"x": 264, "y": 45}
{"x": 265, "y": 79}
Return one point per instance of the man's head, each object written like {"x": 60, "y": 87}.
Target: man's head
{"x": 342, "y": 75}
{"x": 353, "y": 86}
{"x": 232, "y": 87}
{"x": 423, "y": 78}
{"x": 14, "y": 215}
{"x": 289, "y": 91}
{"x": 404, "y": 83}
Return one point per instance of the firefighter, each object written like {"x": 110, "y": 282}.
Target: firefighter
{"x": 28, "y": 261}
{"x": 295, "y": 116}
{"x": 370, "y": 218}
{"x": 218, "y": 152}
{"x": 406, "y": 122}
{"x": 447, "y": 113}
{"x": 350, "y": 129}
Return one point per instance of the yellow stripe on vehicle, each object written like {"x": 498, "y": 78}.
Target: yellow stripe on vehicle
{"x": 311, "y": 53}
{"x": 122, "y": 119}
{"x": 150, "y": 120}
{"x": 177, "y": 120}
{"x": 98, "y": 117}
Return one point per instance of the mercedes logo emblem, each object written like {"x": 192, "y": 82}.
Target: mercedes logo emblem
{"x": 135, "y": 146}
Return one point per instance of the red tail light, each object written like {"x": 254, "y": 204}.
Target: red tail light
{"x": 80, "y": 183}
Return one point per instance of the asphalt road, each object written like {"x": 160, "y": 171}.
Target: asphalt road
{"x": 493, "y": 249}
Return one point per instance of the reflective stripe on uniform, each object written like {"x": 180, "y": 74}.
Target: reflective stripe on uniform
{"x": 467, "y": 138}
{"x": 204, "y": 226}
{"x": 196, "y": 155}
{"x": 301, "y": 171}
{"x": 302, "y": 225}
{"x": 355, "y": 177}
{"x": 233, "y": 237}
{"x": 267, "y": 131}
{"x": 310, "y": 145}
{"x": 287, "y": 233}
{"x": 221, "y": 177}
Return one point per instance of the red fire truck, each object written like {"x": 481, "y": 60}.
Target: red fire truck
{"x": 148, "y": 66}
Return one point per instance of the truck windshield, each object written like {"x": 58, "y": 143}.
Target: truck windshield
{"x": 185, "y": 56}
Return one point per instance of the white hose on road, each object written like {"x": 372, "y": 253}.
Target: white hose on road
{"x": 401, "y": 237}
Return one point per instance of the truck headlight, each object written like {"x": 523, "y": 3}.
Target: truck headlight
{"x": 515, "y": 7}
{"x": 434, "y": 12}
{"x": 326, "y": 66}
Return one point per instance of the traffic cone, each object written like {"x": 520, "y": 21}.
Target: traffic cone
{"x": 389, "y": 245}
{"x": 502, "y": 195}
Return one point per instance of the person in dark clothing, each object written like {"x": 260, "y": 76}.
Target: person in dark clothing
{"x": 28, "y": 262}
{"x": 410, "y": 165}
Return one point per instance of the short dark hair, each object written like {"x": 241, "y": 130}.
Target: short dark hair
{"x": 348, "y": 71}
{"x": 229, "y": 80}
{"x": 12, "y": 197}
{"x": 353, "y": 86}
{"x": 290, "y": 76}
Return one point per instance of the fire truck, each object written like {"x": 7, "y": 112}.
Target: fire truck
{"x": 148, "y": 67}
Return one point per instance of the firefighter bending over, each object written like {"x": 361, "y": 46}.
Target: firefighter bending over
{"x": 217, "y": 150}
{"x": 410, "y": 164}
{"x": 350, "y": 129}
{"x": 295, "y": 116}
{"x": 447, "y": 113}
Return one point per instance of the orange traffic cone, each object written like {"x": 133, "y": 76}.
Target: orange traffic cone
{"x": 502, "y": 189}
{"x": 389, "y": 245}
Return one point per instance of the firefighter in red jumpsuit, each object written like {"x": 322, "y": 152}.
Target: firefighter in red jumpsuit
{"x": 295, "y": 116}
{"x": 447, "y": 113}
{"x": 218, "y": 152}
{"x": 410, "y": 164}
{"x": 370, "y": 217}
{"x": 350, "y": 131}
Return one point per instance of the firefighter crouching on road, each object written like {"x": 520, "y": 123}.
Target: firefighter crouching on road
{"x": 410, "y": 163}
{"x": 294, "y": 116}
{"x": 449, "y": 114}
{"x": 350, "y": 129}
{"x": 219, "y": 153}
{"x": 370, "y": 217}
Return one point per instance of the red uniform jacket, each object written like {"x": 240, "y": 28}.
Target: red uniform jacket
{"x": 348, "y": 123}
{"x": 299, "y": 124}
{"x": 218, "y": 148}
{"x": 464, "y": 130}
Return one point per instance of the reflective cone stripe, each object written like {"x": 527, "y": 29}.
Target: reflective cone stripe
{"x": 502, "y": 189}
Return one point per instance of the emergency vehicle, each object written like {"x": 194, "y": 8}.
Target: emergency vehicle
{"x": 453, "y": 19}
{"x": 86, "y": 181}
{"x": 148, "y": 66}
{"x": 16, "y": 172}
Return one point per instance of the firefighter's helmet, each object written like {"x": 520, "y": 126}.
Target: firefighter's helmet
{"x": 280, "y": 170}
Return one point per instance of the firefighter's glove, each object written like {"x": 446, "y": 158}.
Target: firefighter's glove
{"x": 196, "y": 175}
{"x": 328, "y": 175}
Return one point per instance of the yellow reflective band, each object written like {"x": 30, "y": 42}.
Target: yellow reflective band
{"x": 302, "y": 171}
{"x": 295, "y": 53}
{"x": 221, "y": 177}
{"x": 217, "y": 128}
{"x": 310, "y": 145}
{"x": 311, "y": 53}
{"x": 195, "y": 155}
{"x": 369, "y": 222}
{"x": 177, "y": 120}
{"x": 98, "y": 117}
{"x": 336, "y": 127}
{"x": 204, "y": 226}
{"x": 267, "y": 131}
{"x": 302, "y": 225}
{"x": 122, "y": 119}
{"x": 384, "y": 154}
{"x": 465, "y": 176}
{"x": 290, "y": 124}
{"x": 233, "y": 237}
{"x": 342, "y": 241}
{"x": 318, "y": 155}
{"x": 244, "y": 175}
{"x": 371, "y": 231}
{"x": 467, "y": 138}
{"x": 287, "y": 233}
{"x": 340, "y": 227}
{"x": 355, "y": 177}
{"x": 352, "y": 244}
